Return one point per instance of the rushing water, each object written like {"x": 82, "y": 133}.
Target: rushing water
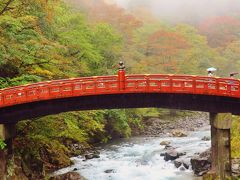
{"x": 139, "y": 159}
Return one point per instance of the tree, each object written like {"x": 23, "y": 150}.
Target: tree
{"x": 109, "y": 43}
{"x": 4, "y": 6}
{"x": 162, "y": 51}
{"x": 232, "y": 54}
{"x": 77, "y": 37}
{"x": 199, "y": 56}
{"x": 221, "y": 30}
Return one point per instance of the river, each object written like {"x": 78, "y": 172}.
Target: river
{"x": 139, "y": 158}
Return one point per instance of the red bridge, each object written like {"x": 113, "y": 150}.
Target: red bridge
{"x": 209, "y": 94}
{"x": 120, "y": 91}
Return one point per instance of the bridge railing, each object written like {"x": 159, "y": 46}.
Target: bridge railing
{"x": 97, "y": 85}
{"x": 183, "y": 84}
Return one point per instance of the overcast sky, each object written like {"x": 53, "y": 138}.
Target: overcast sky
{"x": 186, "y": 10}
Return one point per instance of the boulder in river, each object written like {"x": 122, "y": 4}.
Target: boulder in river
{"x": 169, "y": 147}
{"x": 182, "y": 168}
{"x": 181, "y": 162}
{"x": 171, "y": 155}
{"x": 68, "y": 176}
{"x": 206, "y": 138}
{"x": 96, "y": 156}
{"x": 177, "y": 163}
{"x": 162, "y": 154}
{"x": 110, "y": 171}
{"x": 88, "y": 156}
{"x": 201, "y": 164}
{"x": 92, "y": 155}
{"x": 164, "y": 143}
{"x": 179, "y": 133}
{"x": 182, "y": 154}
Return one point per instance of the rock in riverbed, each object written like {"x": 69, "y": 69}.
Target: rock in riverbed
{"x": 172, "y": 155}
{"x": 110, "y": 171}
{"x": 179, "y": 133}
{"x": 164, "y": 143}
{"x": 92, "y": 155}
{"x": 181, "y": 162}
{"x": 68, "y": 176}
{"x": 205, "y": 138}
{"x": 201, "y": 164}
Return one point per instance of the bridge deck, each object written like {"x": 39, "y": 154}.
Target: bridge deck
{"x": 159, "y": 83}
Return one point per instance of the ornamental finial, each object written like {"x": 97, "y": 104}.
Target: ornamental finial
{"x": 121, "y": 65}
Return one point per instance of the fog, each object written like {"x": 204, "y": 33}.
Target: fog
{"x": 185, "y": 10}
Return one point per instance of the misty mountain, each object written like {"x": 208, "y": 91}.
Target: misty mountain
{"x": 190, "y": 11}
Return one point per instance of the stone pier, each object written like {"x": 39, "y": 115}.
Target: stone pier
{"x": 221, "y": 146}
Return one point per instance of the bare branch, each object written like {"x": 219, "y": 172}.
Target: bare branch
{"x": 74, "y": 53}
{"x": 6, "y": 7}
{"x": 33, "y": 64}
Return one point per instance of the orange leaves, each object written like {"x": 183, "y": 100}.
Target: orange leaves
{"x": 166, "y": 43}
{"x": 99, "y": 11}
{"x": 163, "y": 51}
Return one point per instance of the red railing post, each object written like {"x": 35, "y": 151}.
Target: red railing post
{"x": 121, "y": 76}
{"x": 194, "y": 85}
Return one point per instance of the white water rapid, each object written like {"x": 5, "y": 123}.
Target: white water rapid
{"x": 139, "y": 159}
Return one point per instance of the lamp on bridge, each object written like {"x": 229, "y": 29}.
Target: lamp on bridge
{"x": 121, "y": 65}
{"x": 121, "y": 75}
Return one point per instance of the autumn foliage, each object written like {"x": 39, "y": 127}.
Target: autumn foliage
{"x": 46, "y": 39}
{"x": 221, "y": 30}
{"x": 164, "y": 43}
{"x": 99, "y": 11}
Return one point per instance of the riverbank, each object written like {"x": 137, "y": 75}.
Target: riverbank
{"x": 167, "y": 125}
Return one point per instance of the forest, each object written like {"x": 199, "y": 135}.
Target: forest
{"x": 52, "y": 39}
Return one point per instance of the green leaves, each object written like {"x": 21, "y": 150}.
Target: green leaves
{"x": 23, "y": 47}
{"x": 235, "y": 137}
{"x": 2, "y": 144}
{"x": 117, "y": 123}
{"x": 73, "y": 32}
{"x": 110, "y": 45}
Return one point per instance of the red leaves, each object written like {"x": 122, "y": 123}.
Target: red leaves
{"x": 221, "y": 30}
{"x": 166, "y": 42}
{"x": 99, "y": 11}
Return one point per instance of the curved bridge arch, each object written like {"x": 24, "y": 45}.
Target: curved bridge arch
{"x": 196, "y": 93}
{"x": 107, "y": 92}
